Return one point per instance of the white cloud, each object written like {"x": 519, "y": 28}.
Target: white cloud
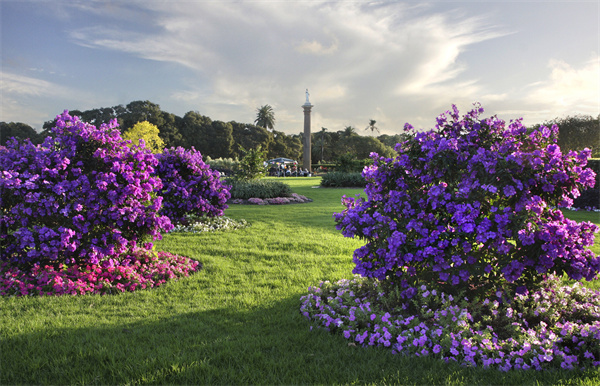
{"x": 570, "y": 90}
{"x": 13, "y": 84}
{"x": 317, "y": 48}
{"x": 19, "y": 93}
{"x": 366, "y": 60}
{"x": 566, "y": 89}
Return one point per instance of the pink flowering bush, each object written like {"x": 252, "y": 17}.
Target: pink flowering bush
{"x": 136, "y": 270}
{"x": 257, "y": 201}
{"x": 472, "y": 204}
{"x": 81, "y": 197}
{"x": 278, "y": 200}
{"x": 295, "y": 198}
{"x": 189, "y": 186}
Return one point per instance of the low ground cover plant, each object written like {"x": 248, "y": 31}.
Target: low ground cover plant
{"x": 470, "y": 208}
{"x": 557, "y": 326}
{"x": 295, "y": 198}
{"x": 137, "y": 270}
{"x": 198, "y": 224}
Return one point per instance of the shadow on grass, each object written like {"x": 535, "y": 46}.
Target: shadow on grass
{"x": 266, "y": 345}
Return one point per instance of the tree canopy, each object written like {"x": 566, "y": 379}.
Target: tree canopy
{"x": 219, "y": 139}
{"x": 18, "y": 130}
{"x": 578, "y": 132}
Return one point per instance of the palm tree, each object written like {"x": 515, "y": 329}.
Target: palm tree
{"x": 265, "y": 117}
{"x": 372, "y": 126}
{"x": 323, "y": 130}
{"x": 349, "y": 131}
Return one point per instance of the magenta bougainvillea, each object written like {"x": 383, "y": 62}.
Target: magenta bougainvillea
{"x": 189, "y": 186}
{"x": 83, "y": 196}
{"x": 136, "y": 270}
{"x": 472, "y": 204}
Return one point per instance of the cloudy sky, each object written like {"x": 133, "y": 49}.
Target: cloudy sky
{"x": 392, "y": 61}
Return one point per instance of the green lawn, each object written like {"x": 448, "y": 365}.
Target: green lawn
{"x": 234, "y": 322}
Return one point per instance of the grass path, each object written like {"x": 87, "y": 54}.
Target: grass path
{"x": 234, "y": 322}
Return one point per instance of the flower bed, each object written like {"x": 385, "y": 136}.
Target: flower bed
{"x": 198, "y": 224}
{"x": 139, "y": 270}
{"x": 294, "y": 199}
{"x": 557, "y": 326}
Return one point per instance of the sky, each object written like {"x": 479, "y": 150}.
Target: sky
{"x": 391, "y": 61}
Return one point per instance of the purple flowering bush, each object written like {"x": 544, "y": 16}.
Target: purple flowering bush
{"x": 464, "y": 251}
{"x": 189, "y": 186}
{"x": 554, "y": 327}
{"x": 81, "y": 197}
{"x": 472, "y": 204}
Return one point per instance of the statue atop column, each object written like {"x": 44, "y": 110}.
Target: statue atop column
{"x": 307, "y": 143}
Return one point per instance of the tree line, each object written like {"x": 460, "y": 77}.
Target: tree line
{"x": 218, "y": 139}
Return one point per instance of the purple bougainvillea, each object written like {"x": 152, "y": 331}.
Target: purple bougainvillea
{"x": 472, "y": 203}
{"x": 83, "y": 196}
{"x": 189, "y": 186}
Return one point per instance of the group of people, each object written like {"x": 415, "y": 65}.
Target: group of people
{"x": 283, "y": 170}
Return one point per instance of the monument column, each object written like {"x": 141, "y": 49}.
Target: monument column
{"x": 307, "y": 143}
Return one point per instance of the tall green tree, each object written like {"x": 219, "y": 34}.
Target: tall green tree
{"x": 323, "y": 130}
{"x": 211, "y": 138}
{"x": 349, "y": 131}
{"x": 169, "y": 131}
{"x": 265, "y": 117}
{"x": 392, "y": 140}
{"x": 361, "y": 147}
{"x": 18, "y": 130}
{"x": 194, "y": 127}
{"x": 284, "y": 146}
{"x": 248, "y": 136}
{"x": 578, "y": 132}
{"x": 139, "y": 111}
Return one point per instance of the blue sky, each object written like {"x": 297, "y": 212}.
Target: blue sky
{"x": 391, "y": 61}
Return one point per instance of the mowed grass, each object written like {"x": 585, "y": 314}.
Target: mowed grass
{"x": 234, "y": 322}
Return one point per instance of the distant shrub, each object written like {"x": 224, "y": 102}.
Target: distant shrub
{"x": 227, "y": 166}
{"x": 348, "y": 163}
{"x": 258, "y": 189}
{"x": 343, "y": 179}
{"x": 199, "y": 224}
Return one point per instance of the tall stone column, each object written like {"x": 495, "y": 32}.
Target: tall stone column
{"x": 307, "y": 143}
